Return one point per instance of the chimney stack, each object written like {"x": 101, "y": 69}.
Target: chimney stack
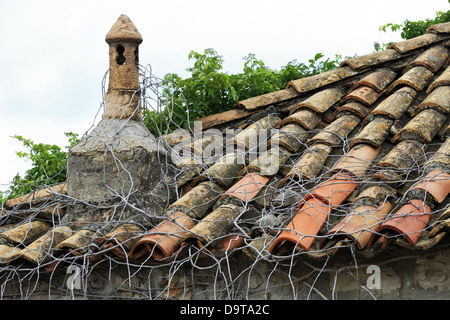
{"x": 120, "y": 161}
{"x": 122, "y": 98}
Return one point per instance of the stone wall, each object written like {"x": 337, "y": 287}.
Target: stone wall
{"x": 404, "y": 275}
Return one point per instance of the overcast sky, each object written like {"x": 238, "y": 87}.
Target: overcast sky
{"x": 53, "y": 53}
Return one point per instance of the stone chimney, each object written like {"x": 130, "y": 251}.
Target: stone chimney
{"x": 120, "y": 161}
{"x": 122, "y": 98}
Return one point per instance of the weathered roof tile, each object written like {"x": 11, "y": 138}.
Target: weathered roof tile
{"x": 305, "y": 117}
{"x": 377, "y": 80}
{"x": 322, "y": 100}
{"x": 432, "y": 59}
{"x": 395, "y": 105}
{"x": 415, "y": 129}
{"x": 416, "y": 77}
{"x": 314, "y": 82}
{"x": 438, "y": 100}
{"x": 268, "y": 99}
{"x": 442, "y": 80}
{"x": 365, "y": 95}
{"x": 417, "y": 42}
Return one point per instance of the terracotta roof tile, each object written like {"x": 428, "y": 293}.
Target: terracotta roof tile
{"x": 363, "y": 94}
{"x": 416, "y": 77}
{"x": 395, "y": 105}
{"x": 307, "y": 118}
{"x": 374, "y": 133}
{"x": 377, "y": 80}
{"x": 268, "y": 99}
{"x": 310, "y": 163}
{"x": 443, "y": 79}
{"x": 415, "y": 130}
{"x": 437, "y": 100}
{"x": 290, "y": 136}
{"x": 372, "y": 59}
{"x": 314, "y": 82}
{"x": 439, "y": 28}
{"x": 322, "y": 100}
{"x": 356, "y": 108}
{"x": 224, "y": 118}
{"x": 432, "y": 59}
{"x": 417, "y": 42}
{"x": 336, "y": 132}
{"x": 359, "y": 224}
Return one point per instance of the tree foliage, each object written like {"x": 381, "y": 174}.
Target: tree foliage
{"x": 209, "y": 90}
{"x": 411, "y": 29}
{"x": 48, "y": 166}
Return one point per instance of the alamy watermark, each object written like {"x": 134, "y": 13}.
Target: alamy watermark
{"x": 74, "y": 279}
{"x": 374, "y": 280}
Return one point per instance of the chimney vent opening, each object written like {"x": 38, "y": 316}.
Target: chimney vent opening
{"x": 120, "y": 58}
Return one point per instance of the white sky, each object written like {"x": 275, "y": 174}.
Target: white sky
{"x": 53, "y": 55}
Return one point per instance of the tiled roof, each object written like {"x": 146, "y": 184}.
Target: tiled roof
{"x": 362, "y": 158}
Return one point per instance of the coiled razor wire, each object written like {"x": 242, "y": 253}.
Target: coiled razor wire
{"x": 233, "y": 275}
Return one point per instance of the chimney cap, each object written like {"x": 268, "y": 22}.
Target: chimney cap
{"x": 123, "y": 30}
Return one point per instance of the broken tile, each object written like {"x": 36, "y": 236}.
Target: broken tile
{"x": 225, "y": 245}
{"x": 121, "y": 240}
{"x": 268, "y": 99}
{"x": 363, "y": 94}
{"x": 438, "y": 99}
{"x": 377, "y": 80}
{"x": 322, "y": 100}
{"x": 77, "y": 244}
{"x": 313, "y": 82}
{"x": 416, "y": 43}
{"x": 432, "y": 59}
{"x": 336, "y": 133}
{"x": 307, "y": 118}
{"x": 415, "y": 129}
{"x": 374, "y": 132}
{"x": 396, "y": 104}
{"x": 258, "y": 247}
{"x": 162, "y": 241}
